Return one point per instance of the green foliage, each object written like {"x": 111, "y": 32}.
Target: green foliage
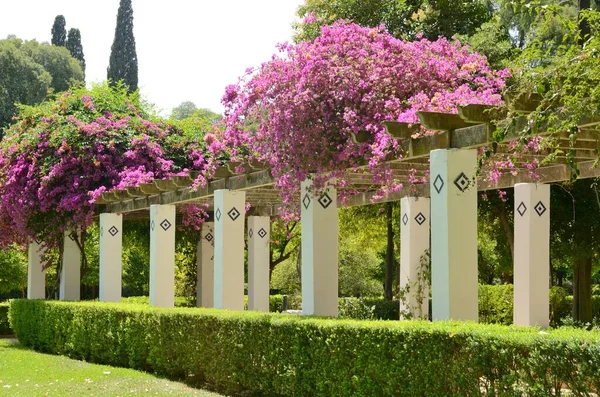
{"x": 496, "y": 304}
{"x": 4, "y": 324}
{"x": 270, "y": 354}
{"x": 357, "y": 269}
{"x": 13, "y": 270}
{"x": 123, "y": 64}
{"x": 59, "y": 31}
{"x": 75, "y": 47}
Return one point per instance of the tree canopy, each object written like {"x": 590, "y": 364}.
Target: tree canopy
{"x": 123, "y": 64}
{"x": 75, "y": 47}
{"x": 59, "y": 31}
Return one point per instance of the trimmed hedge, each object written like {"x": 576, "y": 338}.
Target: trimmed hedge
{"x": 4, "y": 325}
{"x": 282, "y": 355}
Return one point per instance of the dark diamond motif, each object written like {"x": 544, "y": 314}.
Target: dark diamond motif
{"x": 165, "y": 224}
{"x": 113, "y": 231}
{"x": 218, "y": 214}
{"x": 438, "y": 184}
{"x": 234, "y": 214}
{"x": 540, "y": 208}
{"x": 208, "y": 237}
{"x": 250, "y": 233}
{"x": 306, "y": 201}
{"x": 405, "y": 219}
{"x": 462, "y": 182}
{"x": 72, "y": 237}
{"x": 522, "y": 209}
{"x": 152, "y": 225}
{"x": 262, "y": 233}
{"x": 38, "y": 241}
{"x": 420, "y": 218}
{"x": 325, "y": 201}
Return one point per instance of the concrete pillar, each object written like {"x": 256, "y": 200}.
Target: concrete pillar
{"x": 259, "y": 235}
{"x": 205, "y": 266}
{"x": 162, "y": 255}
{"x": 319, "y": 252}
{"x": 454, "y": 279}
{"x": 414, "y": 257}
{"x": 70, "y": 275}
{"x": 36, "y": 276}
{"x": 230, "y": 212}
{"x": 532, "y": 257}
{"x": 111, "y": 252}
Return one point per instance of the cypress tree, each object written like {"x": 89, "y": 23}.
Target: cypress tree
{"x": 123, "y": 58}
{"x": 75, "y": 47}
{"x": 59, "y": 31}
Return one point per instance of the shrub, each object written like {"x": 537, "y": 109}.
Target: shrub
{"x": 4, "y": 325}
{"x": 496, "y": 304}
{"x": 278, "y": 355}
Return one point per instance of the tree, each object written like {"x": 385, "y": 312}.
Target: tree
{"x": 59, "y": 31}
{"x": 123, "y": 63}
{"x": 75, "y": 47}
{"x": 184, "y": 110}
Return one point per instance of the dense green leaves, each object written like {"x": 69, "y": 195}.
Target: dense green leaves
{"x": 123, "y": 65}
{"x": 75, "y": 47}
{"x": 59, "y": 31}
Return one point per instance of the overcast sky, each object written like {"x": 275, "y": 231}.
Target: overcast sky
{"x": 188, "y": 50}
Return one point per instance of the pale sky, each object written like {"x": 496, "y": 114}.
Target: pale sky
{"x": 188, "y": 50}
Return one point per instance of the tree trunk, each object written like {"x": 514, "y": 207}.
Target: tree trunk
{"x": 582, "y": 290}
{"x": 389, "y": 253}
{"x": 584, "y": 25}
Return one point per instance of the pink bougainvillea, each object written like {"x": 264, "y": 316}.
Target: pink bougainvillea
{"x": 300, "y": 110}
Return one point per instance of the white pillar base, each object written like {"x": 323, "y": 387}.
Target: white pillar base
{"x": 319, "y": 252}
{"x": 414, "y": 247}
{"x": 532, "y": 258}
{"x": 205, "y": 266}
{"x": 454, "y": 280}
{"x": 36, "y": 276}
{"x": 259, "y": 235}
{"x": 70, "y": 275}
{"x": 111, "y": 252}
{"x": 162, "y": 255}
{"x": 230, "y": 212}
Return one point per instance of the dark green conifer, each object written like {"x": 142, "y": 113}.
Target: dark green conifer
{"x": 75, "y": 47}
{"x": 123, "y": 63}
{"x": 59, "y": 31}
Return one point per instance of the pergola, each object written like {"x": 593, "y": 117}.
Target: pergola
{"x": 445, "y": 209}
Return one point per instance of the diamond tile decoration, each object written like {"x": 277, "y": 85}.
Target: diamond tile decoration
{"x": 208, "y": 237}
{"x": 522, "y": 209}
{"x": 250, "y": 233}
{"x": 262, "y": 233}
{"x": 39, "y": 241}
{"x": 152, "y": 225}
{"x": 325, "y": 201}
{"x": 218, "y": 214}
{"x": 462, "y": 182}
{"x": 71, "y": 237}
{"x": 405, "y": 219}
{"x": 165, "y": 224}
{"x": 540, "y": 208}
{"x": 113, "y": 231}
{"x": 438, "y": 184}
{"x": 234, "y": 214}
{"x": 420, "y": 218}
{"x": 306, "y": 201}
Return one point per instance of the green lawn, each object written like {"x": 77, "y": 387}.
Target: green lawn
{"x": 24, "y": 372}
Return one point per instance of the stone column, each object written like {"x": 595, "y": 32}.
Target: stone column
{"x": 162, "y": 255}
{"x": 205, "y": 266}
{"x": 319, "y": 251}
{"x": 414, "y": 256}
{"x": 111, "y": 252}
{"x": 532, "y": 258}
{"x": 259, "y": 235}
{"x": 230, "y": 212}
{"x": 454, "y": 279}
{"x": 36, "y": 276}
{"x": 70, "y": 275}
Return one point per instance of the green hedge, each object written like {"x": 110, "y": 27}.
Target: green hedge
{"x": 282, "y": 355}
{"x": 4, "y": 325}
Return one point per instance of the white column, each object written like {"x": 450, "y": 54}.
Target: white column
{"x": 319, "y": 252}
{"x": 36, "y": 276}
{"x": 71, "y": 269}
{"x": 205, "y": 266}
{"x": 111, "y": 251}
{"x": 414, "y": 258}
{"x": 162, "y": 255}
{"x": 454, "y": 279}
{"x": 259, "y": 235}
{"x": 532, "y": 258}
{"x": 230, "y": 212}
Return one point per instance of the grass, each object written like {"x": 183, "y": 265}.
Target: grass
{"x": 24, "y": 372}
